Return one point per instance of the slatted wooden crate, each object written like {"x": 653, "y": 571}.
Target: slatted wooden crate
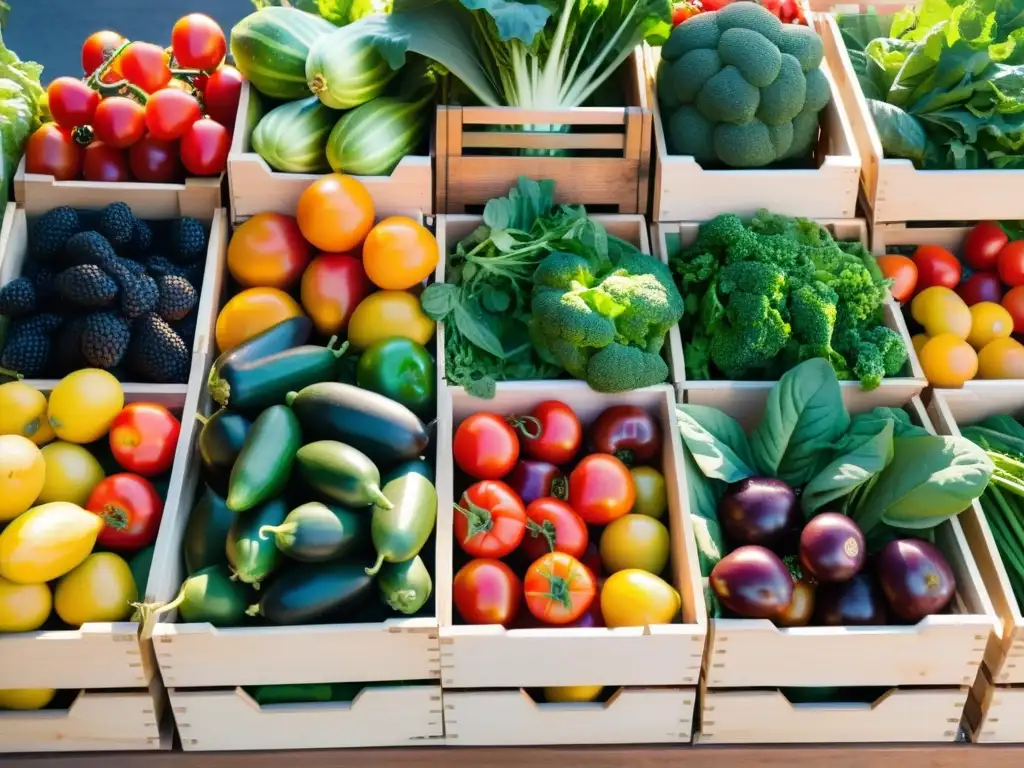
{"x": 995, "y": 713}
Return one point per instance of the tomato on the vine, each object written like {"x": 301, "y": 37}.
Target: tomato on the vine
{"x": 557, "y": 436}
{"x": 486, "y": 591}
{"x": 171, "y": 112}
{"x": 489, "y": 519}
{"x": 155, "y": 160}
{"x": 71, "y": 102}
{"x": 143, "y": 438}
{"x": 198, "y": 42}
{"x": 983, "y": 244}
{"x": 119, "y": 122}
{"x": 131, "y": 510}
{"x": 103, "y": 163}
{"x": 485, "y": 446}
{"x": 144, "y": 65}
{"x": 684, "y": 10}
{"x": 601, "y": 489}
{"x": 551, "y": 525}
{"x": 559, "y": 588}
{"x": 53, "y": 151}
{"x": 97, "y": 48}
{"x": 204, "y": 148}
{"x": 1011, "y": 263}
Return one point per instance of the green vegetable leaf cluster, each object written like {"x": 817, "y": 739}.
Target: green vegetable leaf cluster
{"x": 765, "y": 295}
{"x": 21, "y": 110}
{"x": 340, "y": 12}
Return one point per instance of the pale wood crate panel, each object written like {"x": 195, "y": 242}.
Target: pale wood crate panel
{"x": 950, "y": 409}
{"x": 767, "y": 717}
{"x": 667, "y": 654}
{"x": 895, "y": 191}
{"x": 620, "y": 181}
{"x": 198, "y": 197}
{"x": 231, "y": 720}
{"x": 995, "y": 713}
{"x": 513, "y": 718}
{"x": 255, "y": 187}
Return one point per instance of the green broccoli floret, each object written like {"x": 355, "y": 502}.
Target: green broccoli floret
{"x": 567, "y": 315}
{"x": 561, "y": 270}
{"x": 618, "y": 368}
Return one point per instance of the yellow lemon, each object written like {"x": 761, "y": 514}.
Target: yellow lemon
{"x": 948, "y": 361}
{"x": 989, "y": 321}
{"x": 940, "y": 310}
{"x": 26, "y": 698}
{"x": 572, "y": 693}
{"x": 24, "y": 607}
{"x": 22, "y": 410}
{"x": 22, "y": 475}
{"x": 84, "y": 404}
{"x": 46, "y": 542}
{"x": 71, "y": 473}
{"x": 102, "y": 588}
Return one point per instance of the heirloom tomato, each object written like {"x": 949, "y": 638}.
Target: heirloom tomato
{"x": 268, "y": 251}
{"x": 489, "y": 520}
{"x": 559, "y": 588}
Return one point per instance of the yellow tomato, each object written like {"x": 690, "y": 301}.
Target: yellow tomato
{"x": 651, "y": 498}
{"x": 22, "y": 410}
{"x": 919, "y": 340}
{"x": 44, "y": 434}
{"x": 635, "y": 598}
{"x": 84, "y": 404}
{"x": 22, "y": 474}
{"x": 71, "y": 473}
{"x": 100, "y": 589}
{"x": 46, "y": 542}
{"x": 26, "y": 698}
{"x": 24, "y": 607}
{"x": 1001, "y": 359}
{"x": 948, "y": 361}
{"x": 989, "y": 321}
{"x": 251, "y": 312}
{"x": 939, "y": 310}
{"x": 572, "y": 693}
{"x": 635, "y": 541}
{"x": 386, "y": 314}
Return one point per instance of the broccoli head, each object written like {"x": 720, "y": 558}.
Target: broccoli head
{"x": 877, "y": 351}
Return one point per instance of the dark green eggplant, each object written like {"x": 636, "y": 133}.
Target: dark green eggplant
{"x": 209, "y": 595}
{"x": 400, "y": 532}
{"x": 405, "y": 587}
{"x": 253, "y": 557}
{"x": 289, "y": 333}
{"x": 384, "y": 430}
{"x": 419, "y": 466}
{"x": 265, "y": 462}
{"x": 315, "y": 532}
{"x": 206, "y": 532}
{"x": 221, "y": 439}
{"x": 313, "y": 592}
{"x": 341, "y": 473}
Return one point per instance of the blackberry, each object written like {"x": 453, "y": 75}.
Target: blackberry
{"x": 86, "y": 286}
{"x": 177, "y": 297}
{"x": 186, "y": 328}
{"x": 51, "y": 231}
{"x": 157, "y": 352}
{"x": 89, "y": 248}
{"x": 66, "y": 355}
{"x": 117, "y": 224}
{"x": 18, "y": 297}
{"x": 188, "y": 240}
{"x": 42, "y": 280}
{"x": 132, "y": 265}
{"x": 139, "y": 292}
{"x": 158, "y": 265}
{"x": 104, "y": 340}
{"x": 142, "y": 238}
{"x": 27, "y": 347}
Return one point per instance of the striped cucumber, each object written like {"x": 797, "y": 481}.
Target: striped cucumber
{"x": 345, "y": 69}
{"x": 293, "y": 137}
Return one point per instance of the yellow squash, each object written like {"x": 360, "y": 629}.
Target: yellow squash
{"x": 84, "y": 404}
{"x": 22, "y": 474}
{"x": 26, "y": 698}
{"x": 101, "y": 589}
{"x": 24, "y": 607}
{"x": 71, "y": 473}
{"x": 46, "y": 542}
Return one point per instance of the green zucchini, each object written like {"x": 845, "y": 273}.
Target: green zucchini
{"x": 292, "y": 138}
{"x": 221, "y": 439}
{"x": 264, "y": 464}
{"x": 252, "y": 556}
{"x": 209, "y": 596}
{"x": 384, "y": 430}
{"x": 141, "y": 564}
{"x": 400, "y": 532}
{"x": 341, "y": 473}
{"x": 206, "y": 532}
{"x": 277, "y": 338}
{"x": 312, "y": 592}
{"x": 315, "y": 532}
{"x": 405, "y": 587}
{"x": 420, "y": 466}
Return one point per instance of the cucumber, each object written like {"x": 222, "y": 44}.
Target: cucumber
{"x": 400, "y": 532}
{"x": 140, "y": 565}
{"x": 384, "y": 430}
{"x": 310, "y": 592}
{"x": 292, "y": 138}
{"x": 265, "y": 462}
{"x": 206, "y": 532}
{"x": 315, "y": 532}
{"x": 345, "y": 69}
{"x": 372, "y": 139}
{"x": 221, "y": 439}
{"x": 277, "y": 338}
{"x": 405, "y": 587}
{"x": 209, "y": 596}
{"x": 253, "y": 557}
{"x": 341, "y": 473}
{"x": 264, "y": 382}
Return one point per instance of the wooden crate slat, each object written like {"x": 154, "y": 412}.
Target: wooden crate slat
{"x": 520, "y": 116}
{"x": 539, "y": 140}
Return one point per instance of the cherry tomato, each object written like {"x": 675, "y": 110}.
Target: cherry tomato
{"x": 983, "y": 244}
{"x": 53, "y": 151}
{"x": 103, "y": 163}
{"x": 131, "y": 510}
{"x": 936, "y": 266}
{"x": 683, "y": 11}
{"x": 119, "y": 122}
{"x": 1011, "y": 263}
{"x": 979, "y": 287}
{"x": 155, "y": 160}
{"x": 221, "y": 92}
{"x": 143, "y": 438}
{"x": 97, "y": 47}
{"x": 627, "y": 432}
{"x": 552, "y": 526}
{"x": 532, "y": 480}
{"x": 1013, "y": 302}
{"x": 171, "y": 112}
{"x": 559, "y": 588}
{"x": 601, "y": 489}
{"x": 204, "y": 148}
{"x": 485, "y": 446}
{"x": 198, "y": 42}
{"x": 71, "y": 102}
{"x": 554, "y": 434}
{"x": 903, "y": 273}
{"x": 145, "y": 65}
{"x": 486, "y": 591}
{"x": 490, "y": 520}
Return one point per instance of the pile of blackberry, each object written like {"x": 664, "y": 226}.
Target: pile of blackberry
{"x": 105, "y": 290}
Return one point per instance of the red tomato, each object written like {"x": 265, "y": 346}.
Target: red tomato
{"x": 485, "y": 446}
{"x": 145, "y": 65}
{"x": 71, "y": 102}
{"x": 601, "y": 489}
{"x": 627, "y": 432}
{"x": 198, "y": 42}
{"x": 1011, "y": 263}
{"x": 143, "y": 438}
{"x": 53, "y": 151}
{"x": 558, "y": 433}
{"x": 171, "y": 112}
{"x": 903, "y": 273}
{"x": 155, "y": 160}
{"x": 221, "y": 93}
{"x": 983, "y": 244}
{"x": 552, "y": 526}
{"x": 936, "y": 266}
{"x": 131, "y": 509}
{"x": 683, "y": 11}
{"x": 1013, "y": 302}
{"x": 204, "y": 148}
{"x": 103, "y": 163}
{"x": 592, "y": 618}
{"x": 331, "y": 289}
{"x": 97, "y": 47}
{"x": 559, "y": 588}
{"x": 486, "y": 591}
{"x": 979, "y": 287}
{"x": 199, "y": 81}
{"x": 119, "y": 122}
{"x": 490, "y": 520}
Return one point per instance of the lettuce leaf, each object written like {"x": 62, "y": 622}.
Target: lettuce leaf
{"x": 21, "y": 111}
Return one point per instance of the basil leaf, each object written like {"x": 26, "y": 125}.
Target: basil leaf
{"x": 716, "y": 442}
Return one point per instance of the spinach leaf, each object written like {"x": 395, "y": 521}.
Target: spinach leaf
{"x": 716, "y": 443}
{"x": 439, "y": 300}
{"x": 475, "y": 328}
{"x": 861, "y": 454}
{"x": 900, "y": 132}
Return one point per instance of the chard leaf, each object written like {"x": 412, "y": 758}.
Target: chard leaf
{"x": 861, "y": 454}
{"x": 716, "y": 442}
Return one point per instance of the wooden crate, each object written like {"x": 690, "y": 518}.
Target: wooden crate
{"x": 995, "y": 713}
{"x": 452, "y": 228}
{"x": 466, "y": 178}
{"x": 768, "y": 717}
{"x": 667, "y": 654}
{"x": 895, "y": 191}
{"x": 231, "y": 719}
{"x": 255, "y": 187}
{"x": 669, "y": 238}
{"x": 513, "y": 718}
{"x": 683, "y": 191}
{"x": 198, "y": 197}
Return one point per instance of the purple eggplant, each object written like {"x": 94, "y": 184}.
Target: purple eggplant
{"x": 832, "y": 548}
{"x": 915, "y": 579}
{"x": 801, "y": 608}
{"x": 753, "y": 583}
{"x": 533, "y": 480}
{"x": 857, "y": 602}
{"x": 758, "y": 510}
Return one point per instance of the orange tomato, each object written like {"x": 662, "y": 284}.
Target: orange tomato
{"x": 332, "y": 287}
{"x": 948, "y": 361}
{"x": 1001, "y": 359}
{"x": 253, "y": 311}
{"x": 335, "y": 213}
{"x": 399, "y": 253}
{"x": 268, "y": 251}
{"x": 903, "y": 273}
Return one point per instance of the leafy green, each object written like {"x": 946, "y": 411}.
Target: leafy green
{"x": 340, "y": 12}
{"x": 21, "y": 111}
{"x": 715, "y": 442}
